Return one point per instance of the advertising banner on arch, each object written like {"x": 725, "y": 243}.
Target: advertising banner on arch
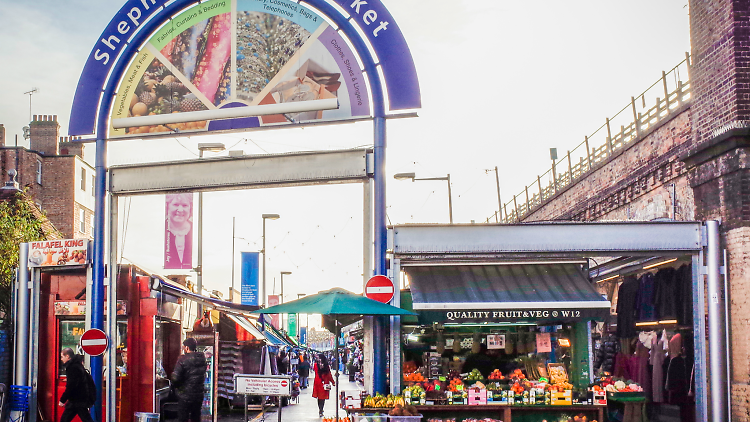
{"x": 224, "y": 54}
{"x": 249, "y": 290}
{"x": 178, "y": 231}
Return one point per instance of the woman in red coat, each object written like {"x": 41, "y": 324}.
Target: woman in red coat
{"x": 322, "y": 377}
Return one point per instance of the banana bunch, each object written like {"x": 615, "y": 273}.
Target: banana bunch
{"x": 384, "y": 401}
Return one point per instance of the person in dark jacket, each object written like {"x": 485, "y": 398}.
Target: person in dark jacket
{"x": 303, "y": 369}
{"x": 187, "y": 380}
{"x": 74, "y": 398}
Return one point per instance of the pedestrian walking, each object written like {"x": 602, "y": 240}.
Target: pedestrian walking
{"x": 187, "y": 380}
{"x": 303, "y": 369}
{"x": 75, "y": 398}
{"x": 323, "y": 382}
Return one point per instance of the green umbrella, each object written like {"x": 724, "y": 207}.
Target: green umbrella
{"x": 335, "y": 302}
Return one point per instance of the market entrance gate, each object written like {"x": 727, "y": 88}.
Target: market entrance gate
{"x": 162, "y": 68}
{"x": 626, "y": 246}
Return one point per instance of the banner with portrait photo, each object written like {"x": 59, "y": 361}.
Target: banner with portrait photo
{"x": 178, "y": 231}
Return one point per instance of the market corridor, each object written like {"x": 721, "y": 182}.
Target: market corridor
{"x": 306, "y": 409}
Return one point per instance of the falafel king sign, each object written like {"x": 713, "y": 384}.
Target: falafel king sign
{"x": 64, "y": 252}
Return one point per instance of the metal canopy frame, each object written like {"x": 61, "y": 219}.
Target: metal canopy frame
{"x": 631, "y": 244}
{"x": 225, "y": 173}
{"x": 243, "y": 172}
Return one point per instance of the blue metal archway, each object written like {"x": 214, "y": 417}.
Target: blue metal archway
{"x": 132, "y": 26}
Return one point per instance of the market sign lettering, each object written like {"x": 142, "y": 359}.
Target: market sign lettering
{"x": 62, "y": 252}
{"x": 514, "y": 315}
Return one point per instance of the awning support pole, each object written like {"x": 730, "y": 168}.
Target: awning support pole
{"x": 337, "y": 333}
{"x": 111, "y": 352}
{"x": 716, "y": 326}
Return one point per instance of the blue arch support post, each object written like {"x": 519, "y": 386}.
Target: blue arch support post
{"x": 380, "y": 324}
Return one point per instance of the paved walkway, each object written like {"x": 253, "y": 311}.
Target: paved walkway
{"x": 306, "y": 410}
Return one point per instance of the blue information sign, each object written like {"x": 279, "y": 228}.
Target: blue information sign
{"x": 249, "y": 286}
{"x": 302, "y": 335}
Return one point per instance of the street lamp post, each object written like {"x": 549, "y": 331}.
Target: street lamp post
{"x": 412, "y": 176}
{"x": 300, "y": 296}
{"x": 263, "y": 251}
{"x": 281, "y": 299}
{"x": 203, "y": 146}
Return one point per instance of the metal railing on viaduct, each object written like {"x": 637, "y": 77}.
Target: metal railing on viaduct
{"x": 635, "y": 121}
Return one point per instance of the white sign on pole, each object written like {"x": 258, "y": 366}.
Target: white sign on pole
{"x": 496, "y": 341}
{"x": 262, "y": 385}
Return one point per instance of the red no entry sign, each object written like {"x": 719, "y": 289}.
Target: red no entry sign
{"x": 94, "y": 342}
{"x": 284, "y": 383}
{"x": 379, "y": 288}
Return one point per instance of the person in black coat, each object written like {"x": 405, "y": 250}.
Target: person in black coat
{"x": 303, "y": 369}
{"x": 187, "y": 380}
{"x": 74, "y": 398}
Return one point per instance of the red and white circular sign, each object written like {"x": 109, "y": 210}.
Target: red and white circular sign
{"x": 284, "y": 383}
{"x": 379, "y": 288}
{"x": 94, "y": 342}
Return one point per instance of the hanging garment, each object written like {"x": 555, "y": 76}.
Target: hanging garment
{"x": 685, "y": 294}
{"x": 626, "y": 307}
{"x": 645, "y": 305}
{"x": 656, "y": 359}
{"x": 605, "y": 355}
{"x": 678, "y": 381}
{"x": 666, "y": 294}
{"x": 642, "y": 375}
{"x": 625, "y": 366}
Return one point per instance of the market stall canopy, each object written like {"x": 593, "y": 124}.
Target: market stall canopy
{"x": 175, "y": 289}
{"x": 505, "y": 293}
{"x": 336, "y": 301}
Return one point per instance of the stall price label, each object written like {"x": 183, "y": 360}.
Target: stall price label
{"x": 263, "y": 385}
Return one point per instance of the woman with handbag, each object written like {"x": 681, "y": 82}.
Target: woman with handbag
{"x": 323, "y": 382}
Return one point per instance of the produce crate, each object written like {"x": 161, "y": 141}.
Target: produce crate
{"x": 600, "y": 397}
{"x": 564, "y": 398}
{"x": 417, "y": 418}
{"x": 370, "y": 418}
{"x": 629, "y": 394}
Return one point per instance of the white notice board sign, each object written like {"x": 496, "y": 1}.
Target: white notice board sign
{"x": 262, "y": 385}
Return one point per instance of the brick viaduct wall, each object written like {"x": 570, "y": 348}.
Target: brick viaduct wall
{"x": 704, "y": 151}
{"x": 633, "y": 185}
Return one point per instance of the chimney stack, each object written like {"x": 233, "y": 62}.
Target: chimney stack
{"x": 2, "y": 135}
{"x": 69, "y": 146}
{"x": 44, "y": 134}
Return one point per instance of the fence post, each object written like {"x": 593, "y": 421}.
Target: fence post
{"x": 515, "y": 204}
{"x": 570, "y": 170}
{"x": 528, "y": 205}
{"x": 679, "y": 93}
{"x": 541, "y": 193}
{"x": 505, "y": 210}
{"x": 609, "y": 139}
{"x": 636, "y": 118}
{"x": 666, "y": 90}
{"x": 588, "y": 152}
{"x": 554, "y": 176}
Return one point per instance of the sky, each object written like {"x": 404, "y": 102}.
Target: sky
{"x": 501, "y": 83}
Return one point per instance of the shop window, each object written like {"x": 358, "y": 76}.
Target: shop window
{"x": 70, "y": 336}
{"x": 122, "y": 348}
{"x": 83, "y": 179}
{"x": 39, "y": 171}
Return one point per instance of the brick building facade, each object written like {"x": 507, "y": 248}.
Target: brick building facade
{"x": 55, "y": 176}
{"x": 694, "y": 166}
